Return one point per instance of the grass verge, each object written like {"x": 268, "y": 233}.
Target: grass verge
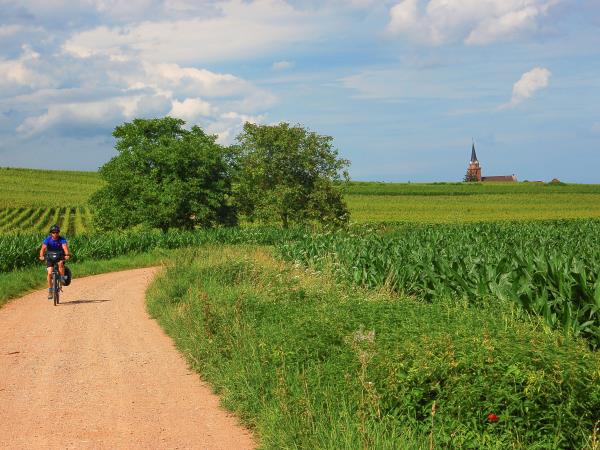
{"x": 312, "y": 364}
{"x": 19, "y": 282}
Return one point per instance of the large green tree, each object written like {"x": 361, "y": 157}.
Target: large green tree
{"x": 290, "y": 175}
{"x": 164, "y": 176}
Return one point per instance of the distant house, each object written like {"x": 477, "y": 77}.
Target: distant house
{"x": 500, "y": 178}
{"x": 474, "y": 171}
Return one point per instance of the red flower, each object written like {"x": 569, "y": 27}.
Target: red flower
{"x": 492, "y": 417}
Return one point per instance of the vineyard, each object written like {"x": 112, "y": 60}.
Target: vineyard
{"x": 39, "y": 191}
{"x": 45, "y": 188}
{"x": 72, "y": 220}
{"x": 32, "y": 200}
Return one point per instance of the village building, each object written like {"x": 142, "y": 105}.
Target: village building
{"x": 474, "y": 171}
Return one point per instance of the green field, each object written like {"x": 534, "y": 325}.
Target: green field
{"x": 31, "y": 200}
{"x": 470, "y": 202}
{"x": 438, "y": 305}
{"x": 32, "y": 188}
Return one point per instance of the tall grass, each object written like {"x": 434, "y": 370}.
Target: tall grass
{"x": 313, "y": 364}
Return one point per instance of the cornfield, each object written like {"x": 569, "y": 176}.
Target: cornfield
{"x": 548, "y": 268}
{"x": 21, "y": 250}
{"x": 72, "y": 220}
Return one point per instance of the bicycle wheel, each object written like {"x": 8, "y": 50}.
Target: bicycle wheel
{"x": 56, "y": 285}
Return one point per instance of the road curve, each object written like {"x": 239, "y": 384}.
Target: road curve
{"x": 97, "y": 372}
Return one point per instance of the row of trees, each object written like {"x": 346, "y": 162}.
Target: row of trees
{"x": 166, "y": 176}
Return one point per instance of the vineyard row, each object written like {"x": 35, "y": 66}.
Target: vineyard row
{"x": 72, "y": 220}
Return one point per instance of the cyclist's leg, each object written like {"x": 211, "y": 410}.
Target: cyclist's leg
{"x": 61, "y": 268}
{"x": 50, "y": 291}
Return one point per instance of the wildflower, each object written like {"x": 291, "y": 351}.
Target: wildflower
{"x": 492, "y": 417}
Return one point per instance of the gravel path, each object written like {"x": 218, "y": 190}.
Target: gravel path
{"x": 97, "y": 372}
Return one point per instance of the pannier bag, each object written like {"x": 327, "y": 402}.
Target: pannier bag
{"x": 67, "y": 276}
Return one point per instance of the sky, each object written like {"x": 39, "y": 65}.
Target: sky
{"x": 403, "y": 87}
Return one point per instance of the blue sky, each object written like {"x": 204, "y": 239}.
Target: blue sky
{"x": 401, "y": 85}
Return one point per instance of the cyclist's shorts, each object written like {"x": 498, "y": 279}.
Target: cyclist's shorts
{"x": 51, "y": 257}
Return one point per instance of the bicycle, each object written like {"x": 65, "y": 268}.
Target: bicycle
{"x": 56, "y": 283}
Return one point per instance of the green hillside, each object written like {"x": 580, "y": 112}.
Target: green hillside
{"x": 27, "y": 194}
{"x": 45, "y": 188}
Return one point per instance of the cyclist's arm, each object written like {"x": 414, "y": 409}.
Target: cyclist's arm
{"x": 65, "y": 247}
{"x": 43, "y": 251}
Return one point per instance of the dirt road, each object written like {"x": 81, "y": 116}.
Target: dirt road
{"x": 97, "y": 372}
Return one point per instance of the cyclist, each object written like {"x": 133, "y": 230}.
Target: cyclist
{"x": 55, "y": 243}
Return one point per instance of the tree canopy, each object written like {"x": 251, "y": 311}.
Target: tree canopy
{"x": 290, "y": 175}
{"x": 164, "y": 176}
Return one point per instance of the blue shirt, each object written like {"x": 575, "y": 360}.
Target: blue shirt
{"x": 54, "y": 245}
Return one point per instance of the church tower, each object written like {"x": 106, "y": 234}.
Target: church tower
{"x": 474, "y": 170}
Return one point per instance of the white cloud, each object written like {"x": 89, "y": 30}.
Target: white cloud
{"x": 529, "y": 83}
{"x": 200, "y": 81}
{"x": 130, "y": 89}
{"x": 229, "y": 124}
{"x": 23, "y": 71}
{"x": 192, "y": 109}
{"x": 110, "y": 110}
{"x": 282, "y": 65}
{"x": 475, "y": 22}
{"x": 241, "y": 30}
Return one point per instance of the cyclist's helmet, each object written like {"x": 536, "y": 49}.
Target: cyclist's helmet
{"x": 54, "y": 229}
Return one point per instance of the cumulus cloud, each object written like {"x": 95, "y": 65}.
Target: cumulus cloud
{"x": 474, "y": 22}
{"x": 75, "y": 115}
{"x": 141, "y": 89}
{"x": 529, "y": 83}
{"x": 192, "y": 109}
{"x": 229, "y": 124}
{"x": 23, "y": 71}
{"x": 241, "y": 29}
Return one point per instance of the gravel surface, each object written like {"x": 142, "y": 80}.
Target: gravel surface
{"x": 97, "y": 372}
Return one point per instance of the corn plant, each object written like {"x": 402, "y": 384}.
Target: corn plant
{"x": 548, "y": 268}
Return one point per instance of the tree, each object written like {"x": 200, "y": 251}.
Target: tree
{"x": 470, "y": 177}
{"x": 290, "y": 175}
{"x": 164, "y": 176}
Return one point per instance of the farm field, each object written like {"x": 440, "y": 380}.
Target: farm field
{"x": 31, "y": 200}
{"x": 33, "y": 188}
{"x": 473, "y": 202}
{"x": 548, "y": 268}
{"x": 313, "y": 363}
{"x": 449, "y": 296}
{"x": 472, "y": 208}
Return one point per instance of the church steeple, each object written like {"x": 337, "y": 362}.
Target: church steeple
{"x": 473, "y": 154}
{"x": 474, "y": 170}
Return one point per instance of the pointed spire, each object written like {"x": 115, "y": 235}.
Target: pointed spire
{"x": 473, "y": 154}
